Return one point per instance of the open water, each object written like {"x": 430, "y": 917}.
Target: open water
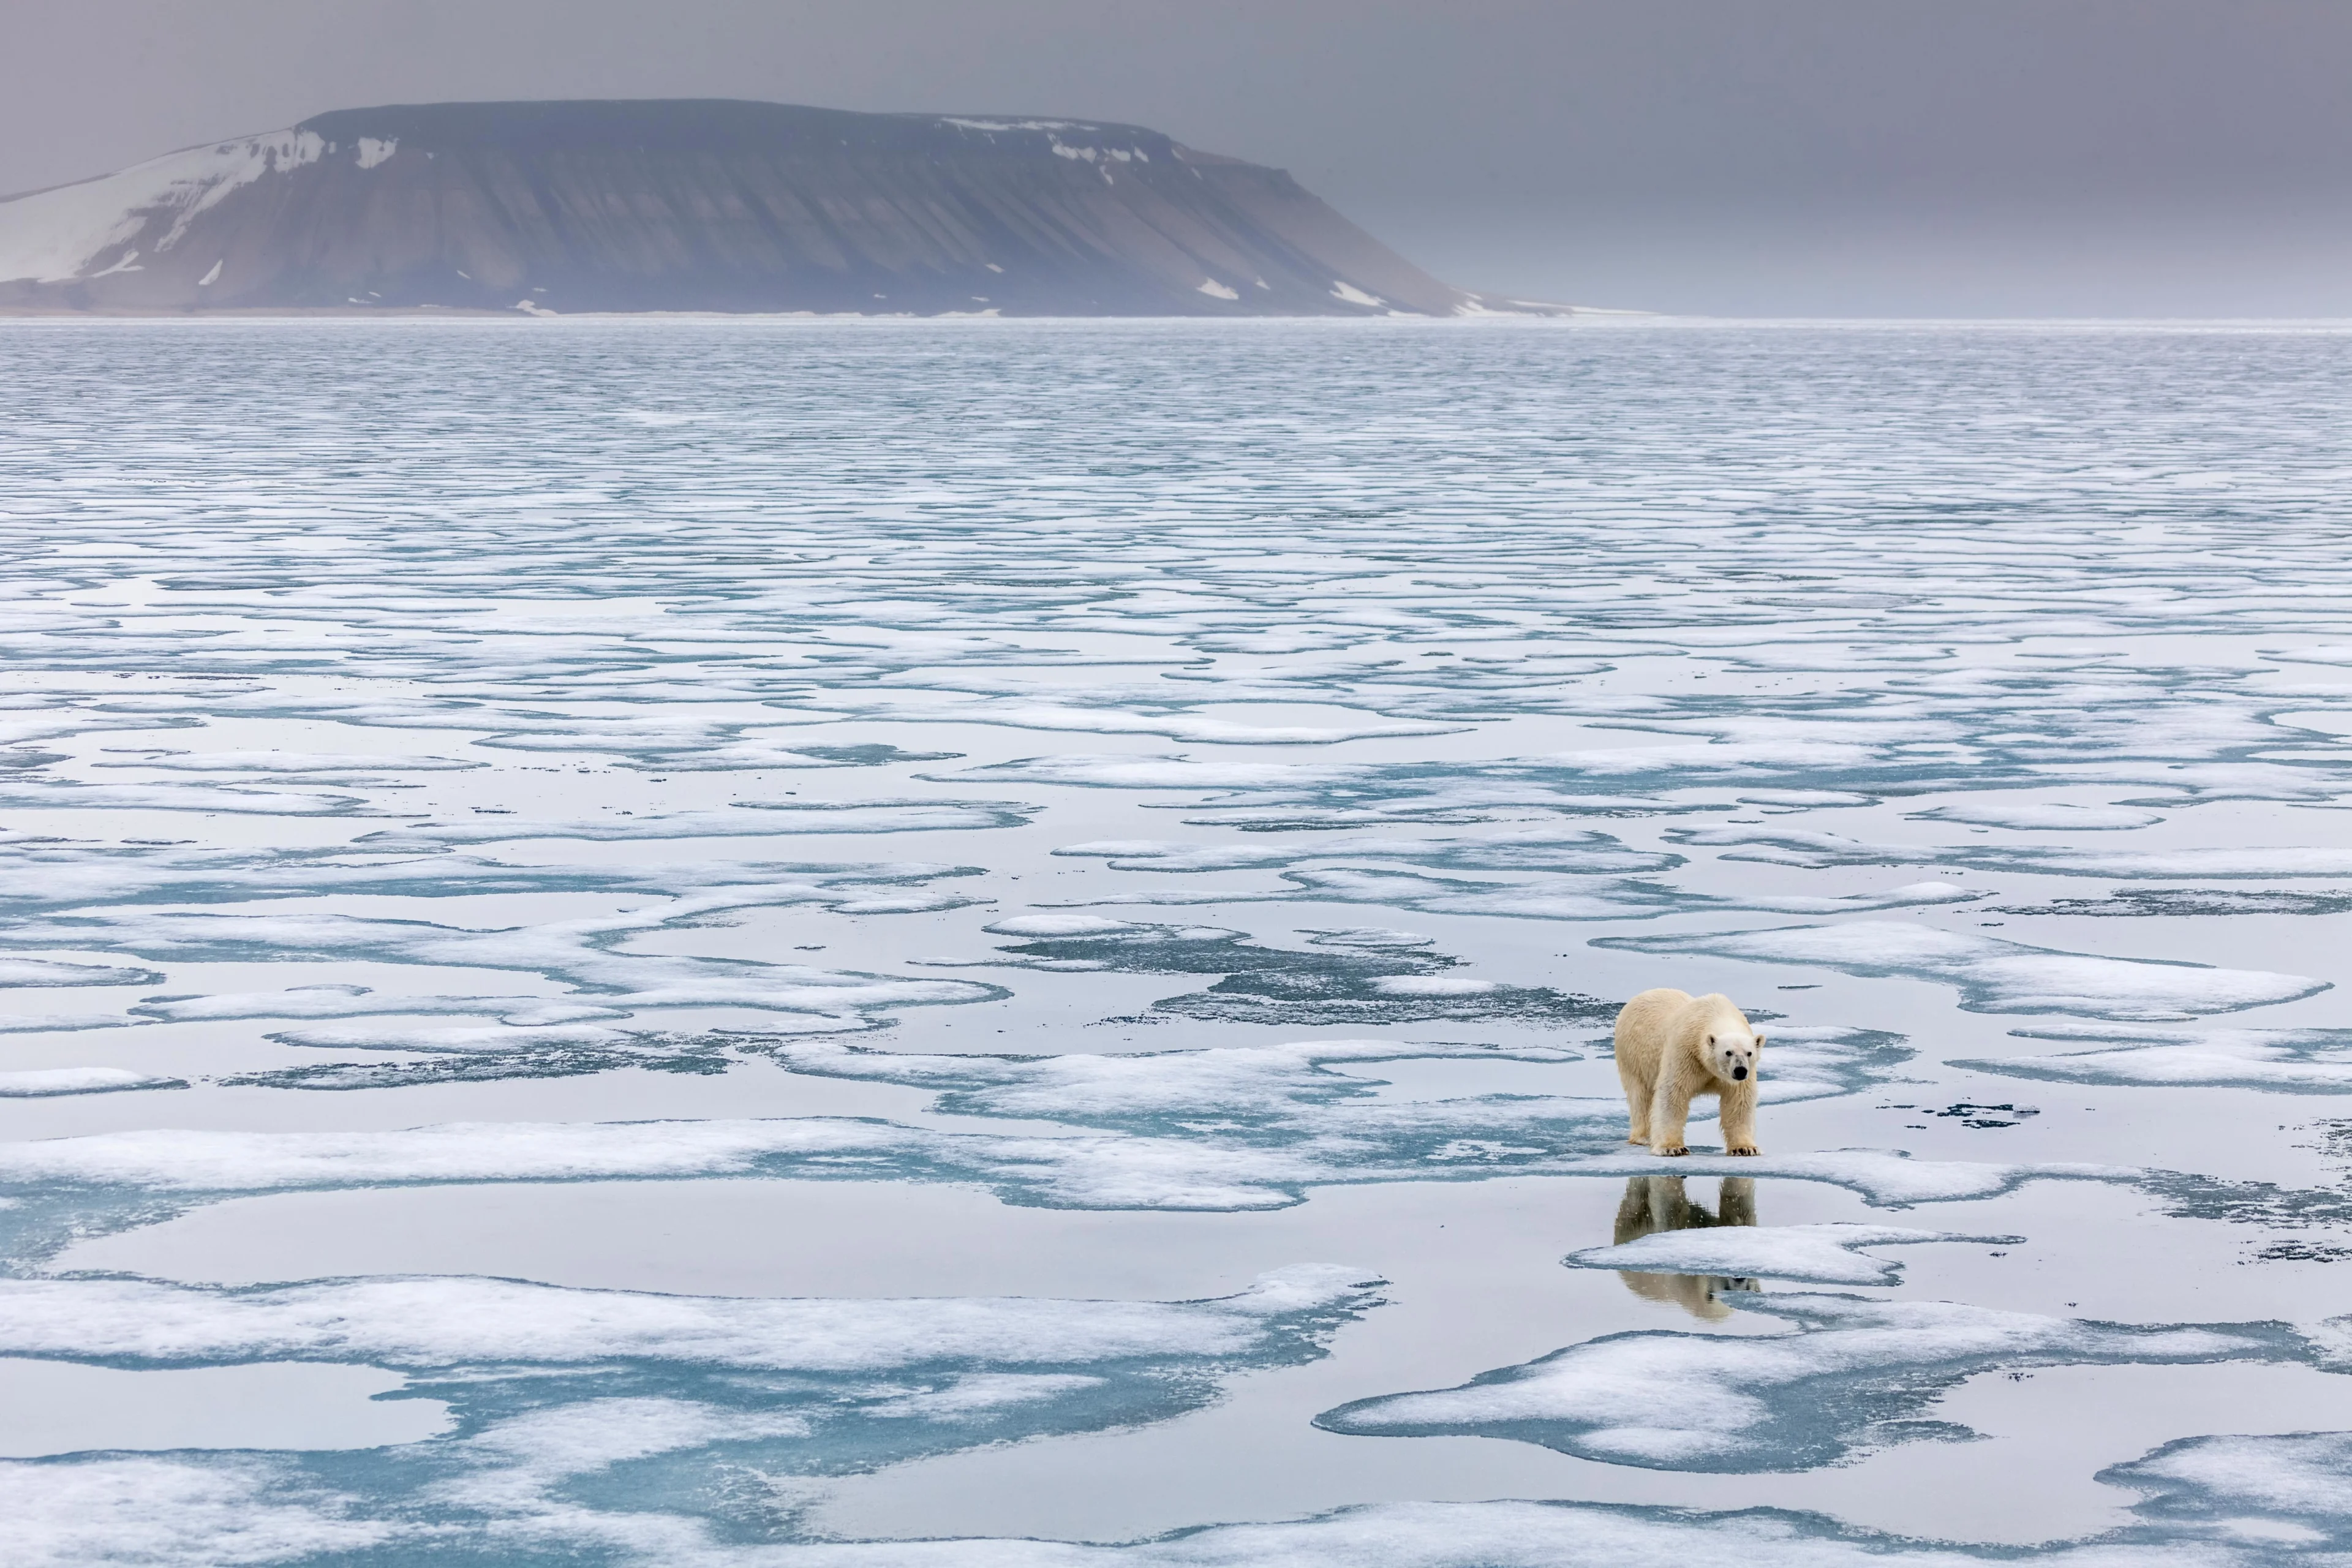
{"x": 835, "y": 944}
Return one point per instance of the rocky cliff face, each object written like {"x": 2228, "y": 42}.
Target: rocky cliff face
{"x": 703, "y": 205}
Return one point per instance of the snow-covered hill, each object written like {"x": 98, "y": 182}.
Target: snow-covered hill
{"x": 704, "y": 206}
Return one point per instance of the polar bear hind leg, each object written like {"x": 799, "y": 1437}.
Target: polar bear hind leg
{"x": 1639, "y": 1042}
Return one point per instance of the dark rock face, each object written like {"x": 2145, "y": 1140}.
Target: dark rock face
{"x": 703, "y": 205}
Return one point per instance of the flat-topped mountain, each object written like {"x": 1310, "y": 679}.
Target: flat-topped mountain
{"x": 703, "y": 205}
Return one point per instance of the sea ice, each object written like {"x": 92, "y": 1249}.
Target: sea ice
{"x": 1347, "y": 985}
{"x": 1819, "y": 1254}
{"x": 1420, "y": 623}
{"x": 174, "y": 1511}
{"x": 30, "y": 972}
{"x": 2283, "y": 1061}
{"x": 768, "y": 819}
{"x": 2050, "y": 817}
{"x": 40, "y": 1083}
{"x": 555, "y": 1389}
{"x": 1820, "y": 851}
{"x": 582, "y": 954}
{"x": 233, "y": 1510}
{"x": 2296, "y": 1479}
{"x": 417, "y": 1323}
{"x": 1855, "y": 1374}
{"x": 1996, "y": 976}
{"x": 1552, "y": 849}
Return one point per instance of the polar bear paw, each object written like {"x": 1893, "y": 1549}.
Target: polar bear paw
{"x": 1670, "y": 1151}
{"x": 1743, "y": 1149}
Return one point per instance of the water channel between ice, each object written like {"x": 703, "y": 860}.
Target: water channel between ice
{"x": 768, "y": 941}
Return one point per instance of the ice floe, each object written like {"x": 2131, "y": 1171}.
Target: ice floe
{"x": 1856, "y": 1373}
{"x": 52, "y": 875}
{"x": 1817, "y": 1253}
{"x": 1996, "y": 976}
{"x": 1555, "y": 849}
{"x": 556, "y": 1389}
{"x": 181, "y": 1510}
{"x": 766, "y": 818}
{"x": 1819, "y": 851}
{"x": 445, "y": 1322}
{"x": 1336, "y": 984}
{"x": 2041, "y": 816}
{"x": 582, "y": 954}
{"x": 2281, "y": 1061}
{"x": 37, "y": 1083}
{"x": 1282, "y": 1140}
{"x": 32, "y": 972}
{"x": 1530, "y": 897}
{"x": 2293, "y": 1482}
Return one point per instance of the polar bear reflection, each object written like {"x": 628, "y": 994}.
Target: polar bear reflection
{"x": 1653, "y": 1204}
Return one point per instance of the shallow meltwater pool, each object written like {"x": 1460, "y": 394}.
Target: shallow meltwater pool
{"x": 766, "y": 943}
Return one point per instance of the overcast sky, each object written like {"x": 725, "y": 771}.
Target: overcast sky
{"x": 1846, "y": 157}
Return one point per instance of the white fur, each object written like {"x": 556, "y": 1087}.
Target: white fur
{"x": 1673, "y": 1047}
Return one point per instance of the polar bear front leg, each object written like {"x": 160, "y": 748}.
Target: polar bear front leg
{"x": 1738, "y": 1120}
{"x": 1669, "y": 1109}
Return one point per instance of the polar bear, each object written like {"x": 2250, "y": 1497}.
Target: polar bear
{"x": 1672, "y": 1047}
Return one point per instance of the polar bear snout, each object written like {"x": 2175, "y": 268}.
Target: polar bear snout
{"x": 1732, "y": 1058}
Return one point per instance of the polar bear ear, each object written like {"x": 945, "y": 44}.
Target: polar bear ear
{"x": 1759, "y": 1041}
{"x": 1710, "y": 1039}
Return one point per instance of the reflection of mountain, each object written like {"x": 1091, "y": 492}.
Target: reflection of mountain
{"x": 704, "y": 205}
{"x": 1654, "y": 1203}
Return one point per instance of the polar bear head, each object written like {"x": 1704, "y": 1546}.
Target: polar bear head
{"x": 1734, "y": 1055}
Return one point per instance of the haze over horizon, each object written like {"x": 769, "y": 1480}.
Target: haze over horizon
{"x": 1811, "y": 157}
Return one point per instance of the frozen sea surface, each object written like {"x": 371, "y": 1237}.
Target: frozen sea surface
{"x": 804, "y": 944}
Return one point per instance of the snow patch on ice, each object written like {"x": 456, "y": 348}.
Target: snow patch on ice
{"x": 1058, "y": 926}
{"x": 231, "y": 1512}
{"x": 1433, "y": 985}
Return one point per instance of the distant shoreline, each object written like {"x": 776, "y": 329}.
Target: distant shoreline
{"x": 467, "y": 312}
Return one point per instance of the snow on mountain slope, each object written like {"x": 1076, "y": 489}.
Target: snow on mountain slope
{"x": 95, "y": 229}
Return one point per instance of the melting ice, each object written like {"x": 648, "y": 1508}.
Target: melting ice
{"x": 1192, "y": 794}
